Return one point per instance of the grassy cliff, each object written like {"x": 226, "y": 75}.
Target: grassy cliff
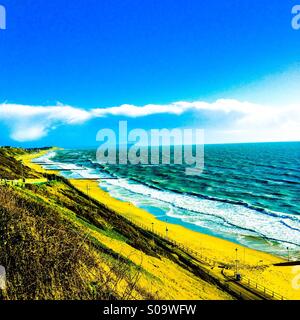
{"x": 11, "y": 168}
{"x": 58, "y": 243}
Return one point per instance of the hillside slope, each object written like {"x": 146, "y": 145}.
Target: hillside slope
{"x": 11, "y": 168}
{"x": 57, "y": 243}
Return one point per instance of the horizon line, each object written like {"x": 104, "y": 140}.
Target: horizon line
{"x": 205, "y": 144}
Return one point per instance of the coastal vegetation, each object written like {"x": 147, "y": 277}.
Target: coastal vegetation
{"x": 59, "y": 243}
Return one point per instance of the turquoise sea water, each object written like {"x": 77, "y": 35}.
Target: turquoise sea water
{"x": 248, "y": 193}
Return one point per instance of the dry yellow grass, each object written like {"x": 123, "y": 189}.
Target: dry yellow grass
{"x": 165, "y": 279}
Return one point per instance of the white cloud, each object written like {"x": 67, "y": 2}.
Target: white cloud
{"x": 135, "y": 111}
{"x": 29, "y": 123}
{"x": 29, "y": 134}
{"x": 252, "y": 122}
{"x": 67, "y": 114}
{"x": 177, "y": 108}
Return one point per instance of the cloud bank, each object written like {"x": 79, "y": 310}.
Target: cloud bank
{"x": 30, "y": 123}
{"x": 280, "y": 123}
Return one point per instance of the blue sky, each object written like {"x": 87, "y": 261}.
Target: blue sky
{"x": 228, "y": 66}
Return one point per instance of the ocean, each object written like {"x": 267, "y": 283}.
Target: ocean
{"x": 248, "y": 193}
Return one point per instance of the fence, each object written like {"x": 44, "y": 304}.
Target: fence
{"x": 261, "y": 289}
{"x": 22, "y": 182}
{"x": 245, "y": 282}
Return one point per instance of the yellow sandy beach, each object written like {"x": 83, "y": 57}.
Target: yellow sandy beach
{"x": 255, "y": 265}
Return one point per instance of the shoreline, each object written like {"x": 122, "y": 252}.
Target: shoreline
{"x": 253, "y": 264}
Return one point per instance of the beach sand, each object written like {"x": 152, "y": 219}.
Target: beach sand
{"x": 255, "y": 265}
{"x": 27, "y": 160}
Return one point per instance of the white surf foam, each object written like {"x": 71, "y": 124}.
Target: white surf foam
{"x": 46, "y": 158}
{"x": 75, "y": 171}
{"x": 275, "y": 226}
